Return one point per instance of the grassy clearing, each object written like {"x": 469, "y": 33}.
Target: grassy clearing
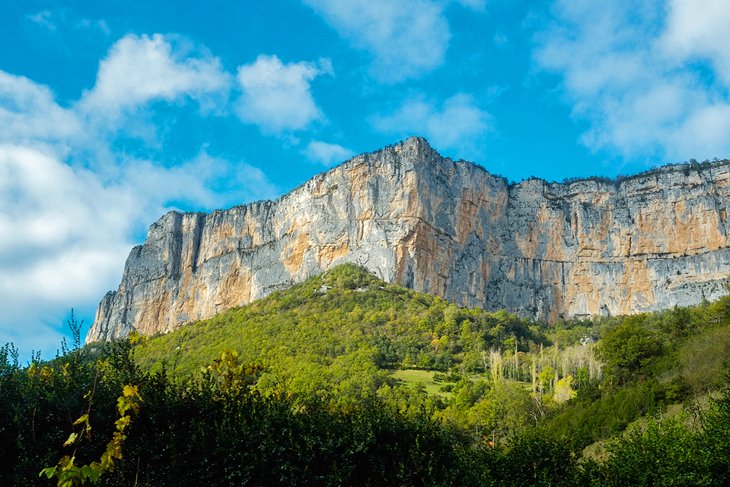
{"x": 423, "y": 377}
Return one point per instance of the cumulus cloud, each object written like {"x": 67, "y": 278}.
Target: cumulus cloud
{"x": 29, "y": 112}
{"x": 276, "y": 96}
{"x": 405, "y": 38}
{"x": 139, "y": 69}
{"x": 326, "y": 153}
{"x": 52, "y": 254}
{"x": 638, "y": 74}
{"x": 67, "y": 220}
{"x": 66, "y": 230}
{"x": 459, "y": 123}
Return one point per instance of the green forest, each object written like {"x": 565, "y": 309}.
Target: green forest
{"x": 346, "y": 380}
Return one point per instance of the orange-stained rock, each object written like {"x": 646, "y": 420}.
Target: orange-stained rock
{"x": 543, "y": 250}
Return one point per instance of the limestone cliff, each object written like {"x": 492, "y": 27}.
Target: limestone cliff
{"x": 544, "y": 250}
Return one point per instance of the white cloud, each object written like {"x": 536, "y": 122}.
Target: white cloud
{"x": 326, "y": 153}
{"x": 29, "y": 112}
{"x": 196, "y": 183}
{"x": 53, "y": 255}
{"x": 71, "y": 205}
{"x": 140, "y": 69}
{"x": 62, "y": 19}
{"x": 698, "y": 32}
{"x": 458, "y": 124}
{"x": 67, "y": 231}
{"x": 638, "y": 74}
{"x": 405, "y": 38}
{"x": 276, "y": 96}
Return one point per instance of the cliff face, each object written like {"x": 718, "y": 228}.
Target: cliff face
{"x": 543, "y": 250}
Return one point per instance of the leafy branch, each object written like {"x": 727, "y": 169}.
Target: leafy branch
{"x": 68, "y": 473}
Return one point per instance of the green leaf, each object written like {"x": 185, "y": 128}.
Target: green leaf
{"x": 71, "y": 439}
{"x": 82, "y": 420}
{"x": 48, "y": 472}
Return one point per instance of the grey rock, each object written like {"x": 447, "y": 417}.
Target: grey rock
{"x": 544, "y": 250}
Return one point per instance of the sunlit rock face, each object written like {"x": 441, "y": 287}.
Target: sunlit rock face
{"x": 543, "y": 250}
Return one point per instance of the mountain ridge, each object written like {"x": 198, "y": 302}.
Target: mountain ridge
{"x": 446, "y": 227}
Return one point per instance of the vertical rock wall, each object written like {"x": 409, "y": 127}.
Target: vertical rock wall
{"x": 543, "y": 250}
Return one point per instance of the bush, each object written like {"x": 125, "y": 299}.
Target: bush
{"x": 628, "y": 350}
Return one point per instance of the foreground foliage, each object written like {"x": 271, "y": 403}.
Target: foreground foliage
{"x": 219, "y": 430}
{"x": 319, "y": 385}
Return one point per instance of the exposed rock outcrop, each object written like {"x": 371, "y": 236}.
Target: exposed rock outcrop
{"x": 544, "y": 250}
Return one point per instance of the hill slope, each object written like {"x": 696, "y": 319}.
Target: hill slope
{"x": 340, "y": 337}
{"x": 339, "y": 328}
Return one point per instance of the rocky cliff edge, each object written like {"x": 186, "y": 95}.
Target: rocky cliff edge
{"x": 545, "y": 250}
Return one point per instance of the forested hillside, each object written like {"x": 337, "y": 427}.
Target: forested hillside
{"x": 344, "y": 379}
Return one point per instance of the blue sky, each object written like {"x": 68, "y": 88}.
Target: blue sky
{"x": 113, "y": 112}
